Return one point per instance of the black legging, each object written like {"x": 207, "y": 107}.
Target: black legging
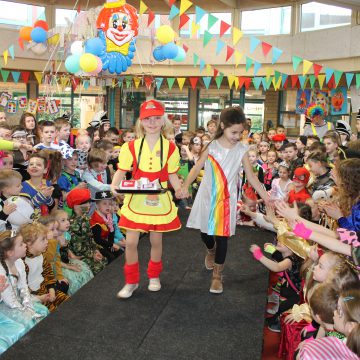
{"x": 221, "y": 246}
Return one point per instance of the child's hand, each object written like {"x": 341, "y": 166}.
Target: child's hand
{"x": 97, "y": 255}
{"x": 179, "y": 193}
{"x": 253, "y": 248}
{"x": 9, "y": 208}
{"x": 44, "y": 298}
{"x": 289, "y": 319}
{"x": 333, "y": 211}
{"x": 3, "y": 284}
{"x": 26, "y": 147}
{"x": 81, "y": 185}
{"x": 115, "y": 247}
{"x": 75, "y": 267}
{"x": 314, "y": 256}
{"x": 185, "y": 192}
{"x": 122, "y": 243}
{"x": 52, "y": 295}
{"x": 46, "y": 190}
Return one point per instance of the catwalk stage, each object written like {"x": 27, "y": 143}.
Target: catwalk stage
{"x": 183, "y": 321}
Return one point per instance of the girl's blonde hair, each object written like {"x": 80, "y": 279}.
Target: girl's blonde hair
{"x": 333, "y": 136}
{"x": 31, "y": 232}
{"x": 166, "y": 128}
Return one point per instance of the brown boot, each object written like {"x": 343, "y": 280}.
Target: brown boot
{"x": 210, "y": 258}
{"x": 216, "y": 281}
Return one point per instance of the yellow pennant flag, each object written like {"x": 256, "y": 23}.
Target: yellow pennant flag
{"x": 181, "y": 82}
{"x": 236, "y": 35}
{"x": 137, "y": 82}
{"x": 306, "y": 66}
{"x": 269, "y": 72}
{"x": 39, "y": 76}
{"x": 63, "y": 81}
{"x": 238, "y": 57}
{"x": 231, "y": 79}
{"x": 143, "y": 7}
{"x": 276, "y": 84}
{"x": 208, "y": 69}
{"x": 236, "y": 82}
{"x": 321, "y": 79}
{"x": 5, "y": 55}
{"x": 184, "y": 5}
{"x": 194, "y": 28}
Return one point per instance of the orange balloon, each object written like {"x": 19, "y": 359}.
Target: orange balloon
{"x": 25, "y": 33}
{"x": 43, "y": 24}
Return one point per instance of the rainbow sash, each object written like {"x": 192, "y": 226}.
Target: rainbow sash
{"x": 219, "y": 216}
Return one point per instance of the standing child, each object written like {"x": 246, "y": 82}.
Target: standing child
{"x": 62, "y": 135}
{"x": 28, "y": 121}
{"x": 270, "y": 168}
{"x": 264, "y": 148}
{"x": 211, "y": 127}
{"x": 214, "y": 209}
{"x": 281, "y": 186}
{"x": 153, "y": 157}
{"x": 299, "y": 193}
{"x": 83, "y": 145}
{"x": 332, "y": 143}
{"x": 48, "y": 136}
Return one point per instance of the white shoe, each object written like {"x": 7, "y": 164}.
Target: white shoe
{"x": 127, "y": 291}
{"x": 154, "y": 284}
{"x": 273, "y": 310}
{"x": 274, "y": 298}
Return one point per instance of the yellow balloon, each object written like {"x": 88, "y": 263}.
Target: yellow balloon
{"x": 54, "y": 39}
{"x": 165, "y": 34}
{"x": 88, "y": 62}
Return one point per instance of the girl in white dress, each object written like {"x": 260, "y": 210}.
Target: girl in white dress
{"x": 214, "y": 209}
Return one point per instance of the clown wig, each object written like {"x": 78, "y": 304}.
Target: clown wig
{"x": 315, "y": 110}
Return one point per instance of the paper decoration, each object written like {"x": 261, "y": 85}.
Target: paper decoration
{"x": 306, "y": 66}
{"x": 236, "y": 35}
{"x": 329, "y": 73}
{"x": 170, "y": 82}
{"x": 143, "y": 7}
{"x": 219, "y": 80}
{"x": 294, "y": 80}
{"x": 236, "y": 82}
{"x": 11, "y": 106}
{"x": 212, "y": 20}
{"x": 216, "y": 71}
{"x": 338, "y": 75}
{"x": 4, "y": 98}
{"x": 229, "y": 52}
{"x": 296, "y": 62}
{"x": 193, "y": 82}
{"x": 257, "y": 67}
{"x": 137, "y": 81}
{"x": 25, "y": 76}
{"x": 266, "y": 83}
{"x": 183, "y": 20}
{"x": 206, "y": 81}
{"x": 38, "y": 76}
{"x": 349, "y": 79}
{"x": 269, "y": 72}
{"x": 231, "y": 79}
{"x": 266, "y": 48}
{"x": 12, "y": 51}
{"x": 254, "y": 43}
{"x": 276, "y": 84}
{"x": 321, "y": 79}
{"x": 53, "y": 106}
{"x": 41, "y": 105}
{"x": 5, "y": 74}
{"x": 208, "y": 68}
{"x": 174, "y": 11}
{"x": 320, "y": 97}
{"x": 312, "y": 79}
{"x": 276, "y": 55}
{"x": 249, "y": 63}
{"x": 199, "y": 14}
{"x": 86, "y": 84}
{"x": 224, "y": 27}
{"x": 21, "y": 43}
{"x": 202, "y": 65}
{"x": 32, "y": 105}
{"x": 284, "y": 78}
{"x": 22, "y": 102}
{"x": 207, "y": 37}
{"x": 5, "y": 55}
{"x": 184, "y": 5}
{"x": 238, "y": 57}
{"x": 148, "y": 82}
{"x": 171, "y": 2}
{"x": 302, "y": 80}
{"x": 302, "y": 101}
{"x": 185, "y": 48}
{"x": 194, "y": 29}
{"x": 151, "y": 17}
{"x": 257, "y": 82}
{"x": 158, "y": 82}
{"x": 219, "y": 46}
{"x": 339, "y": 101}
{"x": 16, "y": 76}
{"x": 317, "y": 68}
{"x": 277, "y": 75}
{"x": 181, "y": 82}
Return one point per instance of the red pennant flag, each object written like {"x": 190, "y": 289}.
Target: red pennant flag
{"x": 21, "y": 43}
{"x": 241, "y": 82}
{"x": 266, "y": 48}
{"x": 75, "y": 83}
{"x": 331, "y": 84}
{"x": 229, "y": 52}
{"x": 148, "y": 82}
{"x": 224, "y": 27}
{"x": 186, "y": 48}
{"x": 25, "y": 76}
{"x": 171, "y": 2}
{"x": 317, "y": 69}
{"x": 216, "y": 71}
{"x": 247, "y": 83}
{"x": 193, "y": 82}
{"x": 78, "y": 9}
{"x": 294, "y": 80}
{"x": 151, "y": 17}
{"x": 286, "y": 83}
{"x": 183, "y": 20}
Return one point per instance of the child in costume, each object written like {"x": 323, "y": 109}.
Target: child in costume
{"x": 214, "y": 209}
{"x": 299, "y": 192}
{"x": 152, "y": 157}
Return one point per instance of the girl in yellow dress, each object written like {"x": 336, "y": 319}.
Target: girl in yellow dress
{"x": 153, "y": 157}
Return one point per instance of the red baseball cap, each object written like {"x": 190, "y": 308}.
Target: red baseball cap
{"x": 151, "y": 108}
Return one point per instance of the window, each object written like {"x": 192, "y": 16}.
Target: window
{"x": 315, "y": 16}
{"x": 62, "y": 15}
{"x": 145, "y": 30}
{"x": 272, "y": 21}
{"x": 288, "y": 116}
{"x": 19, "y": 14}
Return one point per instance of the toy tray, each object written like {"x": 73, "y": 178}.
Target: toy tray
{"x": 148, "y": 191}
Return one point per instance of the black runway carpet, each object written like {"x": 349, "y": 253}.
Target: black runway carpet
{"x": 183, "y": 321}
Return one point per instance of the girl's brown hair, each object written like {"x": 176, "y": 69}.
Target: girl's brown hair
{"x": 230, "y": 116}
{"x": 7, "y": 243}
{"x": 36, "y": 129}
{"x": 317, "y": 156}
{"x": 52, "y": 163}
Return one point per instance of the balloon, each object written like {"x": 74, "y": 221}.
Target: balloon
{"x": 39, "y": 48}
{"x": 99, "y": 66}
{"x": 54, "y": 40}
{"x": 88, "y": 62}
{"x": 181, "y": 54}
{"x": 72, "y": 63}
{"x": 94, "y": 46}
{"x": 77, "y": 48}
{"x": 158, "y": 54}
{"x": 165, "y": 34}
{"x": 38, "y": 35}
{"x": 25, "y": 33}
{"x": 42, "y": 24}
{"x": 23, "y": 213}
{"x": 170, "y": 50}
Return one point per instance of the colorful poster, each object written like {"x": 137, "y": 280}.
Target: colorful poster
{"x": 53, "y": 106}
{"x": 32, "y": 106}
{"x": 22, "y": 102}
{"x": 339, "y": 103}
{"x": 11, "y": 106}
{"x": 302, "y": 100}
{"x": 320, "y": 97}
{"x": 41, "y": 106}
{"x": 4, "y": 98}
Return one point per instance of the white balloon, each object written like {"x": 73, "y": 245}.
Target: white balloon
{"x": 77, "y": 47}
{"x": 23, "y": 213}
{"x": 39, "y": 49}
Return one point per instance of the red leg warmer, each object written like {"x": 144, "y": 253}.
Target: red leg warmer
{"x": 154, "y": 269}
{"x": 132, "y": 273}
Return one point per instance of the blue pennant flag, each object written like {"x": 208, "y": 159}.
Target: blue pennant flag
{"x": 302, "y": 80}
{"x": 329, "y": 73}
{"x": 219, "y": 46}
{"x": 349, "y": 78}
{"x": 202, "y": 65}
{"x": 86, "y": 84}
{"x": 276, "y": 54}
{"x": 257, "y": 82}
{"x": 257, "y": 67}
{"x": 254, "y": 42}
{"x": 158, "y": 82}
{"x": 283, "y": 79}
{"x": 207, "y": 81}
{"x": 15, "y": 75}
{"x": 199, "y": 14}
{"x": 174, "y": 11}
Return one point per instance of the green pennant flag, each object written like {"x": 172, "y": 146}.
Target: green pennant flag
{"x": 211, "y": 21}
{"x": 249, "y": 63}
{"x": 170, "y": 82}
{"x": 5, "y": 74}
{"x": 128, "y": 81}
{"x": 357, "y": 81}
{"x": 207, "y": 38}
{"x": 338, "y": 75}
{"x": 219, "y": 80}
{"x": 277, "y": 75}
{"x": 257, "y": 82}
{"x": 296, "y": 61}
{"x": 312, "y": 79}
{"x": 196, "y": 59}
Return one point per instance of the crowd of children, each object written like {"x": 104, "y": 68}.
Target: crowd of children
{"x": 63, "y": 219}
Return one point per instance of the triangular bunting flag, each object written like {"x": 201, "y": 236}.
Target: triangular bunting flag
{"x": 296, "y": 60}
{"x": 236, "y": 82}
{"x": 331, "y": 83}
{"x": 158, "y": 82}
{"x": 219, "y": 80}
{"x": 269, "y": 72}
{"x": 38, "y": 76}
{"x": 277, "y": 84}
{"x": 12, "y": 51}
{"x": 151, "y": 17}
{"x": 257, "y": 67}
{"x": 193, "y": 82}
{"x": 181, "y": 82}
{"x": 207, "y": 81}
{"x": 219, "y": 46}
{"x": 21, "y": 43}
{"x": 208, "y": 68}
{"x": 306, "y": 66}
{"x": 249, "y": 63}
{"x": 121, "y": 81}
{"x": 5, "y": 74}
{"x": 16, "y": 75}
{"x": 174, "y": 11}
{"x": 266, "y": 83}
{"x": 312, "y": 79}
{"x": 64, "y": 81}
{"x": 207, "y": 38}
{"x": 216, "y": 71}
{"x": 231, "y": 79}
{"x": 171, "y": 2}
{"x": 74, "y": 83}
{"x": 321, "y": 79}
{"x": 184, "y": 5}
{"x": 199, "y": 14}
{"x": 86, "y": 84}
{"x": 183, "y": 20}
{"x": 25, "y": 76}
{"x": 148, "y": 81}
{"x": 229, "y": 52}
{"x": 212, "y": 20}
{"x": 266, "y": 47}
{"x": 143, "y": 7}
{"x": 254, "y": 43}
{"x": 202, "y": 65}
{"x": 42, "y": 16}
{"x": 294, "y": 80}
{"x": 257, "y": 82}
{"x": 302, "y": 80}
{"x": 284, "y": 78}
{"x": 247, "y": 82}
{"x": 170, "y": 82}
{"x": 241, "y": 81}
{"x": 317, "y": 68}
{"x": 238, "y": 57}
{"x": 236, "y": 35}
{"x": 136, "y": 81}
{"x": 338, "y": 75}
{"x": 185, "y": 47}
{"x": 349, "y": 78}
{"x": 357, "y": 81}
{"x": 277, "y": 75}
{"x": 329, "y": 73}
{"x": 194, "y": 29}
{"x": 196, "y": 59}
{"x": 5, "y": 55}
{"x": 276, "y": 54}
{"x": 224, "y": 27}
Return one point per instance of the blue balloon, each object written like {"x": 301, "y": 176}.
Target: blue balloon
{"x": 38, "y": 35}
{"x": 94, "y": 46}
{"x": 170, "y": 50}
{"x": 72, "y": 63}
{"x": 158, "y": 54}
